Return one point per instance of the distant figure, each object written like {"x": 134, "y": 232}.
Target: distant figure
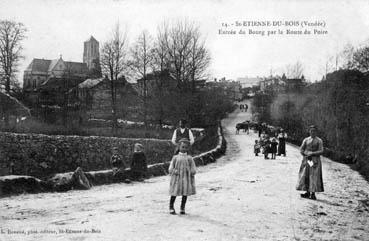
{"x": 182, "y": 170}
{"x": 282, "y": 137}
{"x": 138, "y": 163}
{"x": 246, "y": 107}
{"x": 310, "y": 173}
{"x": 273, "y": 147}
{"x": 257, "y": 148}
{"x": 180, "y": 133}
{"x": 263, "y": 128}
{"x": 241, "y": 107}
{"x": 248, "y": 127}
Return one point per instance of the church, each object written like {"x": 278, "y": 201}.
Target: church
{"x": 45, "y": 81}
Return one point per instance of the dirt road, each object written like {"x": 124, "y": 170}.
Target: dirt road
{"x": 241, "y": 197}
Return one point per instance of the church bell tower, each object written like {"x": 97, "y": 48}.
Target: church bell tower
{"x": 91, "y": 56}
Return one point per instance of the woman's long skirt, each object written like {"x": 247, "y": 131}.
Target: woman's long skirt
{"x": 282, "y": 147}
{"x": 310, "y": 178}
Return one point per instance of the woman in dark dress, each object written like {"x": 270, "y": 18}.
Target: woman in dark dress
{"x": 282, "y": 136}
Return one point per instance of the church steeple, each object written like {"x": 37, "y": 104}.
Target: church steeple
{"x": 91, "y": 56}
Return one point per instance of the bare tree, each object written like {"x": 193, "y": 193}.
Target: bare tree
{"x": 186, "y": 53}
{"x": 294, "y": 71}
{"x": 11, "y": 36}
{"x": 199, "y": 58}
{"x": 141, "y": 64}
{"x": 114, "y": 64}
{"x": 160, "y": 54}
{"x": 346, "y": 56}
{"x": 160, "y": 88}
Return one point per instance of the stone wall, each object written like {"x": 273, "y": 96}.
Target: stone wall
{"x": 42, "y": 155}
{"x": 64, "y": 181}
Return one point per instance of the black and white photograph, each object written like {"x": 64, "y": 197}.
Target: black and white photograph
{"x": 184, "y": 120}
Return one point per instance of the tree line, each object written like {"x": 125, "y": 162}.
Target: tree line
{"x": 178, "y": 49}
{"x": 338, "y": 105}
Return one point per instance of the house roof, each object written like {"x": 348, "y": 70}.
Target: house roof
{"x": 157, "y": 74}
{"x": 13, "y": 106}
{"x": 90, "y": 83}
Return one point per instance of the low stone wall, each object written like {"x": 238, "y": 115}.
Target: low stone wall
{"x": 42, "y": 155}
{"x": 64, "y": 181}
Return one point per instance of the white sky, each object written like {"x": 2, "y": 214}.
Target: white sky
{"x": 61, "y": 26}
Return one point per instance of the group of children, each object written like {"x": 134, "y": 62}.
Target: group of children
{"x": 267, "y": 145}
{"x": 138, "y": 163}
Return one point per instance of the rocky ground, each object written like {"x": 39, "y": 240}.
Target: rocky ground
{"x": 240, "y": 197}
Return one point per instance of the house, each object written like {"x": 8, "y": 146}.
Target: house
{"x": 231, "y": 88}
{"x": 281, "y": 84}
{"x": 94, "y": 99}
{"x": 157, "y": 80}
{"x": 162, "y": 80}
{"x": 11, "y": 107}
{"x": 249, "y": 82}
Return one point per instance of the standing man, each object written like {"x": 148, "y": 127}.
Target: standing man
{"x": 180, "y": 133}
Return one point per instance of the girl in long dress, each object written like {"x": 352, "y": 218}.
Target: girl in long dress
{"x": 310, "y": 174}
{"x": 182, "y": 169}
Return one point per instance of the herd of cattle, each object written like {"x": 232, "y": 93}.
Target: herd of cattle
{"x": 247, "y": 125}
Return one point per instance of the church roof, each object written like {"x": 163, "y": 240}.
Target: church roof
{"x": 46, "y": 65}
{"x": 52, "y": 64}
{"x": 39, "y": 65}
{"x": 77, "y": 67}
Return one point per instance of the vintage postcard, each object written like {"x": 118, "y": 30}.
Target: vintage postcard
{"x": 184, "y": 120}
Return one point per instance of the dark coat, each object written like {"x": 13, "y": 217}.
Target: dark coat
{"x": 138, "y": 163}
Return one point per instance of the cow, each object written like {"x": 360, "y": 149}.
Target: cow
{"x": 244, "y": 126}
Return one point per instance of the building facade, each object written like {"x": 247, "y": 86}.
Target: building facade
{"x": 57, "y": 76}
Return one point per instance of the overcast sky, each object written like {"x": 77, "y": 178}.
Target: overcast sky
{"x": 61, "y": 26}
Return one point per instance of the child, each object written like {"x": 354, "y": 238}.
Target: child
{"x": 266, "y": 146}
{"x": 182, "y": 169}
{"x": 138, "y": 163}
{"x": 273, "y": 147}
{"x": 256, "y": 148}
{"x": 116, "y": 160}
{"x": 117, "y": 163}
